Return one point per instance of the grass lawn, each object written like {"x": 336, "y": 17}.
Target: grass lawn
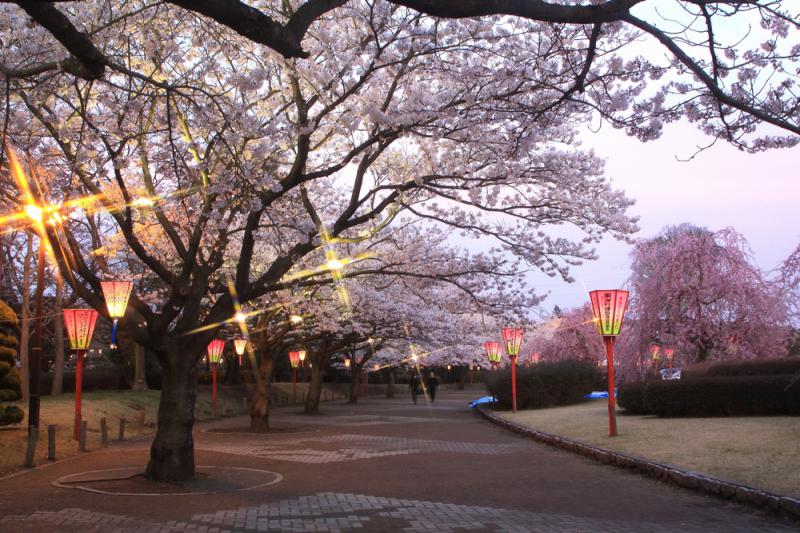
{"x": 762, "y": 452}
{"x": 60, "y": 410}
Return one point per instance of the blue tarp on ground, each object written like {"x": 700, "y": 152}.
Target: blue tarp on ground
{"x": 485, "y": 399}
{"x": 599, "y": 394}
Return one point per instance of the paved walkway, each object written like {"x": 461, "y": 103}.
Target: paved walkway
{"x": 384, "y": 465}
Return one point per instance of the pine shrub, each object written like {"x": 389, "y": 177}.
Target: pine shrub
{"x": 10, "y": 382}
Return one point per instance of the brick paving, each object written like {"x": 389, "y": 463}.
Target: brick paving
{"x": 419, "y": 469}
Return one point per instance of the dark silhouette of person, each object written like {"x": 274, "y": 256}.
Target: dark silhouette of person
{"x": 413, "y": 385}
{"x": 432, "y": 383}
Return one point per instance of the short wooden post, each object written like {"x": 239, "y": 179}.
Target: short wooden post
{"x": 51, "y": 442}
{"x": 140, "y": 422}
{"x": 121, "y": 429}
{"x": 104, "y": 431}
{"x": 82, "y": 436}
{"x": 30, "y": 452}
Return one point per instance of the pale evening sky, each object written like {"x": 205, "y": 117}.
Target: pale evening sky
{"x": 756, "y": 194}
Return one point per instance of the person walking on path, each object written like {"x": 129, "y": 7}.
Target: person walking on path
{"x": 414, "y": 384}
{"x": 431, "y": 383}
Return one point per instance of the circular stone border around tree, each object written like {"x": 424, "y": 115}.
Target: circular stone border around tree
{"x": 82, "y": 480}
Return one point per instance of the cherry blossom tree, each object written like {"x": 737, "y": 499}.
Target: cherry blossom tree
{"x": 215, "y": 175}
{"x": 728, "y": 64}
{"x": 698, "y": 291}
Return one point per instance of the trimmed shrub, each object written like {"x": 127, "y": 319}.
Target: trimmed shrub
{"x": 724, "y": 396}
{"x": 630, "y": 396}
{"x": 10, "y": 382}
{"x": 544, "y": 384}
{"x": 756, "y": 367}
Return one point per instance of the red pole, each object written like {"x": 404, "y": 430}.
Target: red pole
{"x": 612, "y": 412}
{"x": 78, "y": 389}
{"x": 214, "y": 389}
{"x": 294, "y": 384}
{"x": 513, "y": 384}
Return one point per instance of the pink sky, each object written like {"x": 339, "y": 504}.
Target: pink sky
{"x": 757, "y": 194}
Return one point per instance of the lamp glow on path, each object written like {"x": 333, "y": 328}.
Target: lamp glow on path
{"x": 214, "y": 349}
{"x": 608, "y": 310}
{"x": 492, "y": 352}
{"x": 512, "y": 338}
{"x": 116, "y": 294}
{"x": 79, "y": 324}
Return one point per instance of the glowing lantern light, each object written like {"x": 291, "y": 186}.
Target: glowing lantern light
{"x": 655, "y": 350}
{"x": 669, "y": 352}
{"x": 80, "y": 327}
{"x": 608, "y": 310}
{"x": 512, "y": 337}
{"x": 347, "y": 362}
{"x": 116, "y": 294}
{"x": 294, "y": 360}
{"x": 492, "y": 352}
{"x": 302, "y": 356}
{"x": 214, "y": 349}
{"x": 240, "y": 345}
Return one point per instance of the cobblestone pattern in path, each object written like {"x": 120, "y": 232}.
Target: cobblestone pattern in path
{"x": 338, "y": 512}
{"x": 352, "y": 447}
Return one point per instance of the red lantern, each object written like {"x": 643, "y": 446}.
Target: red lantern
{"x": 116, "y": 294}
{"x": 608, "y": 309}
{"x": 669, "y": 352}
{"x": 535, "y": 357}
{"x": 240, "y": 345}
{"x": 215, "y": 349}
{"x": 80, "y": 327}
{"x": 492, "y": 352}
{"x": 512, "y": 337}
{"x": 294, "y": 359}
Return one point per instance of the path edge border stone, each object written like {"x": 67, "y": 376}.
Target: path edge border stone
{"x": 686, "y": 479}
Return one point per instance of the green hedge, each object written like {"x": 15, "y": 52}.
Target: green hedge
{"x": 714, "y": 396}
{"x": 544, "y": 384}
{"x": 756, "y": 367}
{"x": 630, "y": 396}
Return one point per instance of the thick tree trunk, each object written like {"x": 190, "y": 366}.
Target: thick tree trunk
{"x": 139, "y": 378}
{"x": 259, "y": 405}
{"x": 390, "y": 386}
{"x": 355, "y": 384}
{"x": 314, "y": 388}
{"x": 58, "y": 331}
{"x": 172, "y": 451}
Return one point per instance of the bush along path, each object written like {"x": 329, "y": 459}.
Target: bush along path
{"x": 757, "y": 498}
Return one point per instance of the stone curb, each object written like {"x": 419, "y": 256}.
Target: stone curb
{"x": 682, "y": 478}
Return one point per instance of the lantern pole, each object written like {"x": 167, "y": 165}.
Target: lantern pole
{"x": 608, "y": 311}
{"x": 76, "y": 434}
{"x": 608, "y": 341}
{"x": 80, "y": 327}
{"x": 512, "y": 338}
